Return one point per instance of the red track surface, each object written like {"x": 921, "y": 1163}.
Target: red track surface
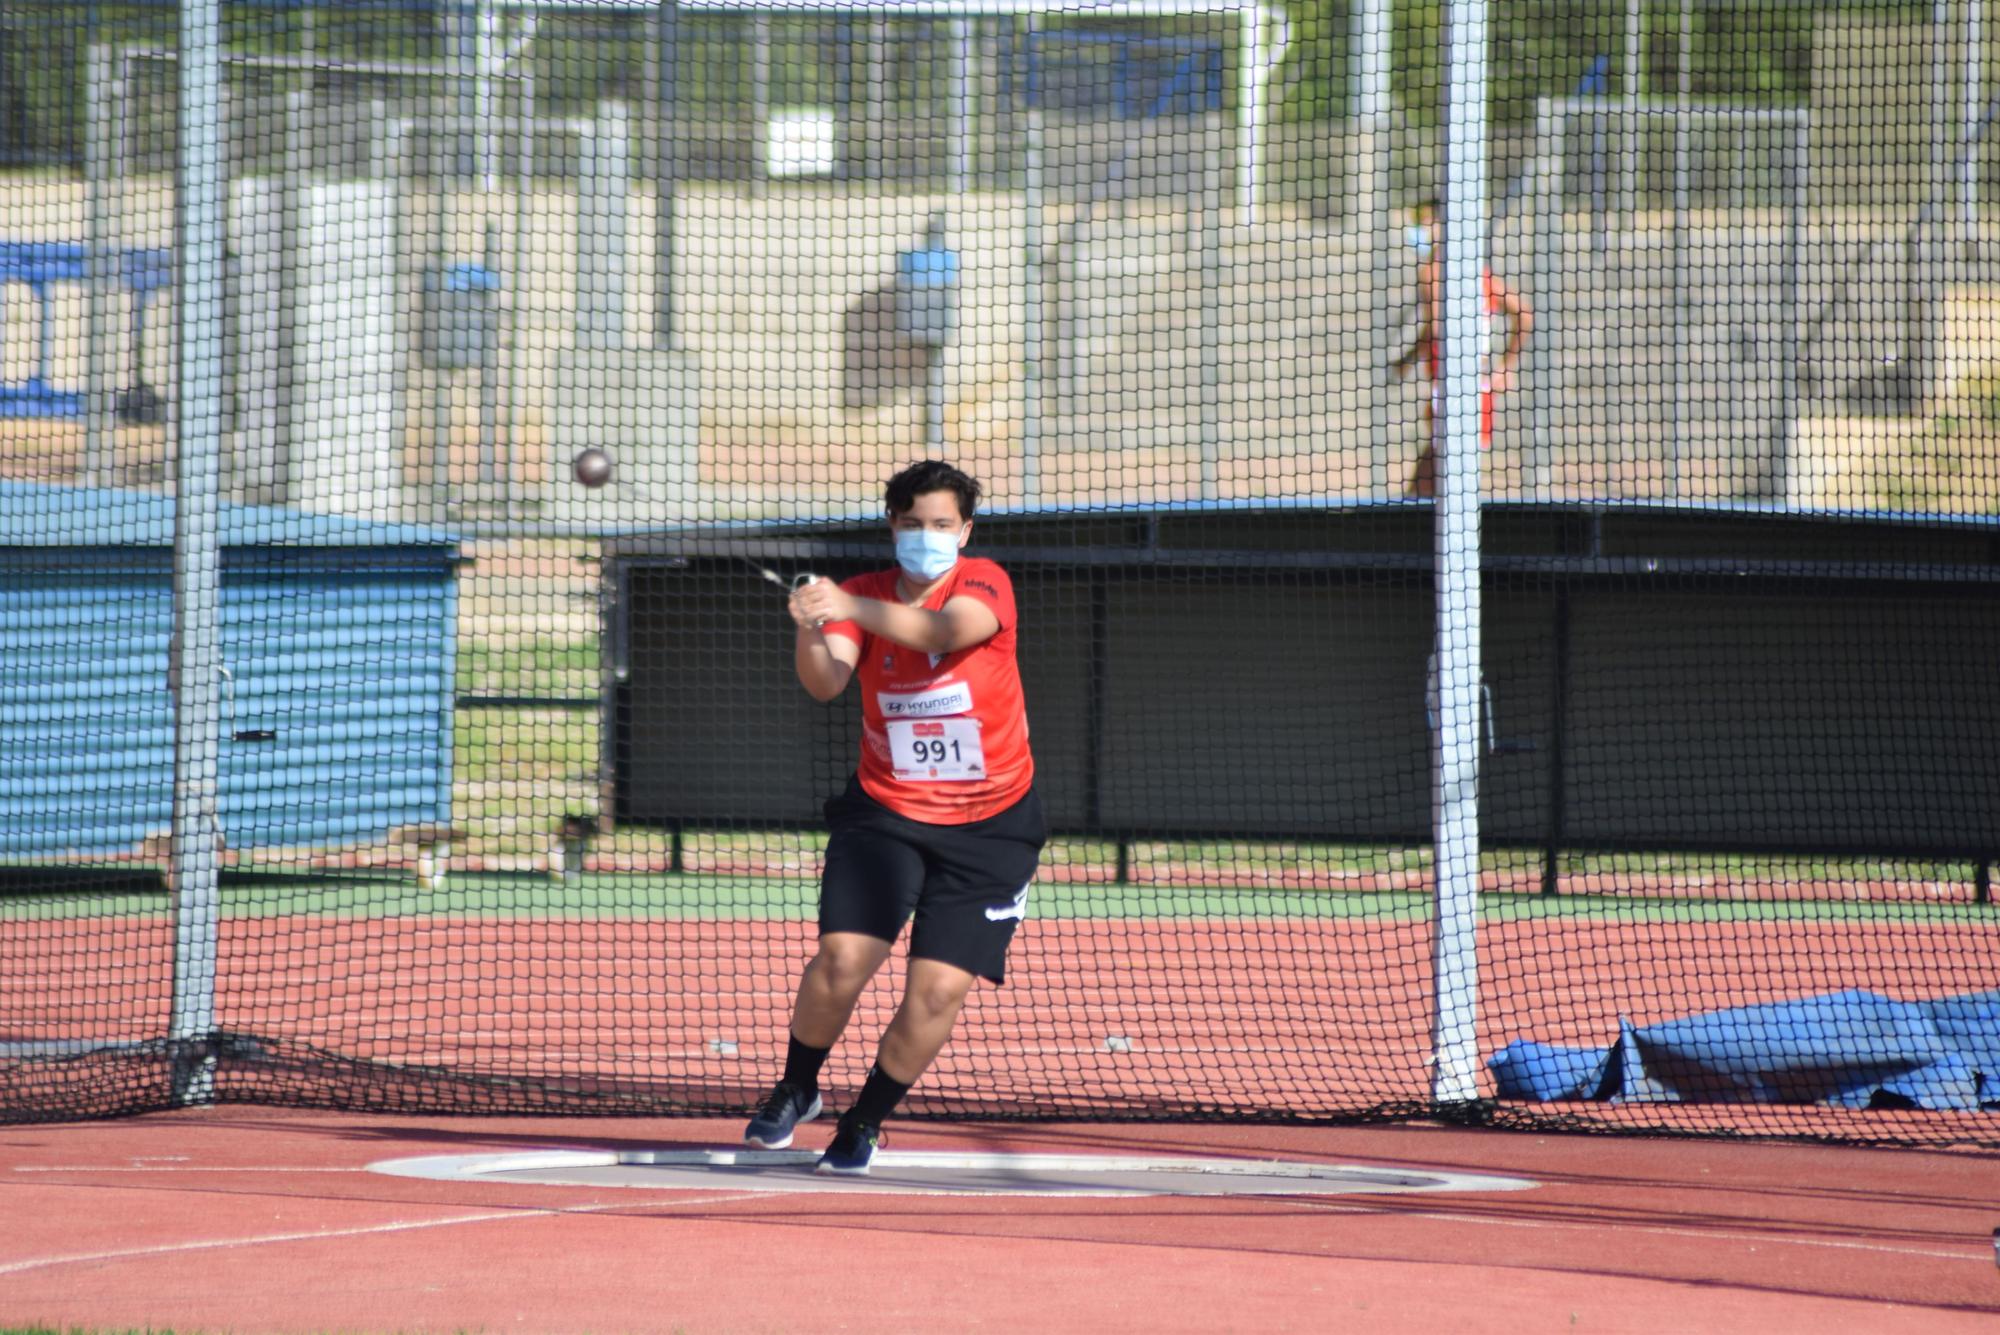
{"x": 253, "y": 1220}
{"x": 250, "y": 1220}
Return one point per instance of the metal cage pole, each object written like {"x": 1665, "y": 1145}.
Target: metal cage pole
{"x": 1456, "y": 674}
{"x": 103, "y": 93}
{"x": 1551, "y": 133}
{"x": 667, "y": 114}
{"x": 1371, "y": 106}
{"x": 1969, "y": 134}
{"x": 200, "y": 203}
{"x": 1683, "y": 312}
{"x": 959, "y": 95}
{"x": 1032, "y": 350}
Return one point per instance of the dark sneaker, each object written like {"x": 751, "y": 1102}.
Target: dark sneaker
{"x": 853, "y": 1149}
{"x": 787, "y": 1106}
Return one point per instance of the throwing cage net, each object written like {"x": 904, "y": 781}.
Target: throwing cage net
{"x": 1501, "y": 507}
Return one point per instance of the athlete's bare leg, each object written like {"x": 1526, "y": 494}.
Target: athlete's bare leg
{"x": 1423, "y": 479}
{"x": 832, "y": 984}
{"x": 932, "y": 997}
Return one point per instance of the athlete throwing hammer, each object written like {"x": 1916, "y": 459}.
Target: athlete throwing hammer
{"x": 940, "y": 820}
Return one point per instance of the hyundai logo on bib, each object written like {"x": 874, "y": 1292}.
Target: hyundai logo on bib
{"x": 934, "y": 703}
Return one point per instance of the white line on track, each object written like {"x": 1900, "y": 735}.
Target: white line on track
{"x": 1979, "y": 1251}
{"x": 168, "y": 1168}
{"x": 1976, "y": 1251}
{"x": 401, "y": 1226}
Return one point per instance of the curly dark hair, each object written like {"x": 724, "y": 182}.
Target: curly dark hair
{"x": 931, "y": 475}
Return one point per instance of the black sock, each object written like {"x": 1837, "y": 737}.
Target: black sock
{"x": 878, "y": 1098}
{"x": 802, "y": 1065}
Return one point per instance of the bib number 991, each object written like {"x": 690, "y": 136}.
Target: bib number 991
{"x": 936, "y": 750}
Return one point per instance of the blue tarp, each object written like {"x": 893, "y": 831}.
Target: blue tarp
{"x": 1853, "y": 1049}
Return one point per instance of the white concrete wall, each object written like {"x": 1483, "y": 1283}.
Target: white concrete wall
{"x": 765, "y": 285}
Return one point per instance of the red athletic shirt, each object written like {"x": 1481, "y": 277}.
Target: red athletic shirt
{"x": 944, "y": 740}
{"x": 1434, "y": 365}
{"x": 1433, "y": 346}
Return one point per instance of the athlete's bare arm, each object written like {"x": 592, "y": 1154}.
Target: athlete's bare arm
{"x": 1520, "y": 319}
{"x": 825, "y": 663}
{"x": 960, "y": 624}
{"x": 1427, "y": 315}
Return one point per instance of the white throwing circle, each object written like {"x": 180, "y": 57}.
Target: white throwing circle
{"x": 942, "y": 1173}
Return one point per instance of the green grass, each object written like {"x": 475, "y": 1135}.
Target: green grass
{"x": 525, "y": 743}
{"x": 537, "y": 667}
{"x": 689, "y": 897}
{"x": 1752, "y": 868}
{"x": 1945, "y": 465}
{"x": 149, "y": 1330}
{"x": 1251, "y": 859}
{"x": 518, "y": 771}
{"x": 1255, "y": 857}
{"x": 78, "y": 1330}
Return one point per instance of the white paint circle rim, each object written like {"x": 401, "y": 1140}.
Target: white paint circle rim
{"x": 1251, "y": 1177}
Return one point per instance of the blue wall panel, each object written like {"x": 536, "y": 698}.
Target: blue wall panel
{"x": 86, "y": 731}
{"x": 337, "y": 720}
{"x": 337, "y": 712}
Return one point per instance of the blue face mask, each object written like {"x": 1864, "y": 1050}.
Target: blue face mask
{"x": 925, "y": 553}
{"x": 1419, "y": 238}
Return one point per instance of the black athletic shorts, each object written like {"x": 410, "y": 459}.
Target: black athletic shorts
{"x": 967, "y": 885}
